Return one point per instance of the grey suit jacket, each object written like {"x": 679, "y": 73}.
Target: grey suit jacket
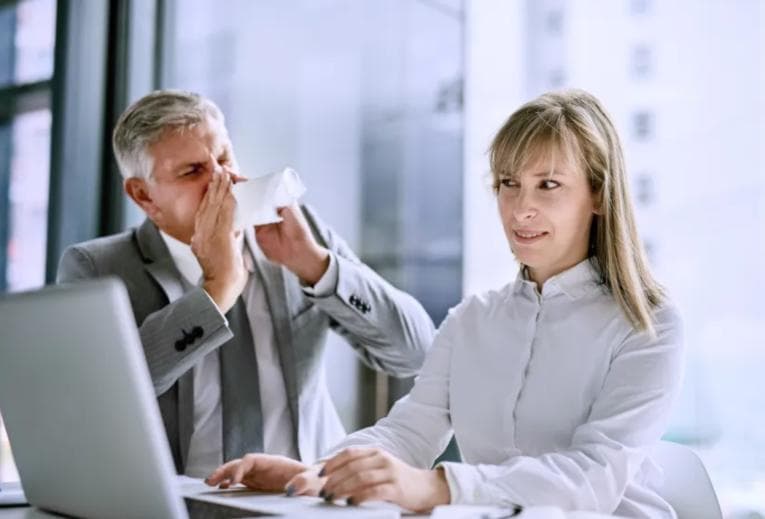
{"x": 387, "y": 328}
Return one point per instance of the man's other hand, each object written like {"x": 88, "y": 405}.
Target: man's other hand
{"x": 291, "y": 243}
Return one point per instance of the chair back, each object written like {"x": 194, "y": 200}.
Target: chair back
{"x": 687, "y": 487}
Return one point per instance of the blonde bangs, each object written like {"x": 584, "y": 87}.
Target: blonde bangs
{"x": 529, "y": 138}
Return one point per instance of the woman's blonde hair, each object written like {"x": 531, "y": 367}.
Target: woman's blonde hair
{"x": 575, "y": 124}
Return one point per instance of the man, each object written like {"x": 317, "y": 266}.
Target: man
{"x": 234, "y": 322}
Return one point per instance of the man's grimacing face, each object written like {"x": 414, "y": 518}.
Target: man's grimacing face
{"x": 184, "y": 162}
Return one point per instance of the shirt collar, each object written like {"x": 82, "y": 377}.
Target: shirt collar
{"x": 574, "y": 282}
{"x": 185, "y": 260}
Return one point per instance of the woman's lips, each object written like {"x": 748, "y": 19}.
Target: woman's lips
{"x": 528, "y": 237}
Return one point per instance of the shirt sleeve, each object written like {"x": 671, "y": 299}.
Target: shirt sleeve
{"x": 327, "y": 285}
{"x": 627, "y": 418}
{"x": 215, "y": 305}
{"x": 418, "y": 427}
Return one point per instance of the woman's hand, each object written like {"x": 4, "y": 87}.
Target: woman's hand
{"x": 369, "y": 474}
{"x": 264, "y": 472}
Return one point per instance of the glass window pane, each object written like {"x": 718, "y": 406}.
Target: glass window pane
{"x": 28, "y": 219}
{"x": 364, "y": 100}
{"x": 27, "y": 41}
{"x": 27, "y": 223}
{"x": 685, "y": 84}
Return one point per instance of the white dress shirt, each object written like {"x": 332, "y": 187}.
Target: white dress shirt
{"x": 554, "y": 399}
{"x": 206, "y": 444}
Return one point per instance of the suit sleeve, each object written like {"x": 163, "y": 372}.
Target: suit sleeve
{"x": 175, "y": 337}
{"x": 627, "y": 418}
{"x": 388, "y": 328}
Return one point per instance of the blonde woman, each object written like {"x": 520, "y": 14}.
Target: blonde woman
{"x": 556, "y": 385}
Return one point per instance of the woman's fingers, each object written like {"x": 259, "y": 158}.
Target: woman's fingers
{"x": 381, "y": 492}
{"x": 221, "y": 473}
{"x": 354, "y": 470}
{"x": 346, "y": 456}
{"x": 231, "y": 473}
{"x": 307, "y": 483}
{"x": 356, "y": 483}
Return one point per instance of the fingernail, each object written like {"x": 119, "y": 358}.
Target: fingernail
{"x": 290, "y": 490}
{"x": 328, "y": 498}
{"x": 349, "y": 501}
{"x": 321, "y": 472}
{"x": 322, "y": 493}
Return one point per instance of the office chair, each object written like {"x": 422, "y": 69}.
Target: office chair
{"x": 686, "y": 486}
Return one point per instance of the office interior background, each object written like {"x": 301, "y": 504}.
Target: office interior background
{"x": 387, "y": 108}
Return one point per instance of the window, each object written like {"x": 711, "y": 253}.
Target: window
{"x": 642, "y": 125}
{"x": 693, "y": 136}
{"x": 366, "y": 106}
{"x": 27, "y": 34}
{"x": 644, "y": 192}
{"x": 641, "y": 62}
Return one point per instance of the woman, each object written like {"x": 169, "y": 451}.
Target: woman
{"x": 555, "y": 386}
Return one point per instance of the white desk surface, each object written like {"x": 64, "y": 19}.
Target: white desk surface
{"x": 315, "y": 508}
{"x": 447, "y": 513}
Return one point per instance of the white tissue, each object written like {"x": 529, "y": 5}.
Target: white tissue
{"x": 257, "y": 199}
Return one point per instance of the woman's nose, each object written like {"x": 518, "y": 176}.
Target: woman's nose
{"x": 524, "y": 207}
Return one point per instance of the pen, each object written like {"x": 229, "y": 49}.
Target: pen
{"x": 513, "y": 511}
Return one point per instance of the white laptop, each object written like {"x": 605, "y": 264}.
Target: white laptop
{"x": 79, "y": 407}
{"x": 83, "y": 421}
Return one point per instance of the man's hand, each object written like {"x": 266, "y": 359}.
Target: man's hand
{"x": 214, "y": 243}
{"x": 290, "y": 243}
{"x": 370, "y": 474}
{"x": 264, "y": 472}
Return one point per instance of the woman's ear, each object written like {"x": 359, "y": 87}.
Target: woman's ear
{"x": 138, "y": 191}
{"x": 597, "y": 204}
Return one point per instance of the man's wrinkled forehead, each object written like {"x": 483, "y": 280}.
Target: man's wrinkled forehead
{"x": 179, "y": 145}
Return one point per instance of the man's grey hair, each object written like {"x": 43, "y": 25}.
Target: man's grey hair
{"x": 144, "y": 122}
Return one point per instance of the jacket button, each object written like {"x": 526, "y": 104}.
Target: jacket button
{"x": 180, "y": 345}
{"x": 197, "y": 332}
{"x": 353, "y": 300}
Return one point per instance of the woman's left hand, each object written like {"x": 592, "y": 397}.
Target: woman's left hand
{"x": 360, "y": 474}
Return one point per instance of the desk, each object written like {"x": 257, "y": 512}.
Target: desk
{"x": 456, "y": 513}
{"x": 240, "y": 501}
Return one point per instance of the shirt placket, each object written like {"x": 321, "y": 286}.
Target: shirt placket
{"x": 531, "y": 344}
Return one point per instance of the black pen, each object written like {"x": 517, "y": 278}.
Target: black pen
{"x": 514, "y": 510}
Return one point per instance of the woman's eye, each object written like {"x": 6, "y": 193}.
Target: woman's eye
{"x": 549, "y": 184}
{"x": 508, "y": 182}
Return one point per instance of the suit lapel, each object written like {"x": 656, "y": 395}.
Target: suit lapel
{"x": 158, "y": 262}
{"x": 160, "y": 266}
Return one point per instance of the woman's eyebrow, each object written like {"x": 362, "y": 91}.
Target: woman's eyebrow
{"x": 549, "y": 173}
